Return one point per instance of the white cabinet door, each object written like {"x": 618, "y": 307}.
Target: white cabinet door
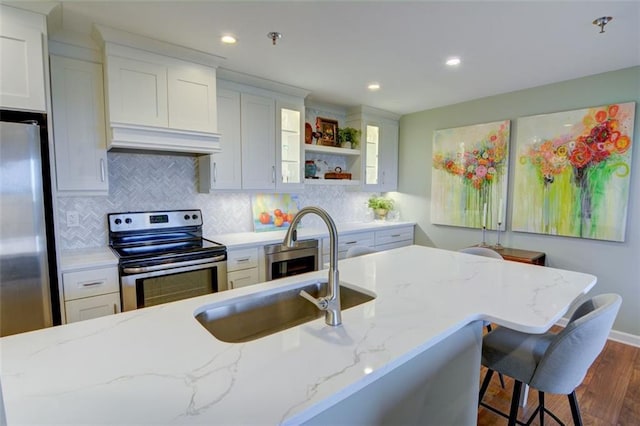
{"x": 258, "y": 142}
{"x": 289, "y": 152}
{"x": 381, "y": 155}
{"x": 242, "y": 278}
{"x": 242, "y": 259}
{"x": 90, "y": 282}
{"x": 224, "y": 170}
{"x": 396, "y": 236}
{"x": 92, "y": 307}
{"x": 79, "y": 126}
{"x": 137, "y": 92}
{"x": 192, "y": 98}
{"x": 388, "y": 156}
{"x": 21, "y": 60}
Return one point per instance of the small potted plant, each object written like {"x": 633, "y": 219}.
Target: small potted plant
{"x": 380, "y": 206}
{"x": 349, "y": 137}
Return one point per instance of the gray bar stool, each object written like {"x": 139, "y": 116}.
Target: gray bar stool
{"x": 553, "y": 363}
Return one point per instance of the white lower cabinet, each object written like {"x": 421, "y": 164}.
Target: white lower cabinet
{"x": 92, "y": 307}
{"x": 381, "y": 240}
{"x": 242, "y": 278}
{"x": 242, "y": 268}
{"x": 91, "y": 293}
{"x": 345, "y": 242}
{"x": 394, "y": 238}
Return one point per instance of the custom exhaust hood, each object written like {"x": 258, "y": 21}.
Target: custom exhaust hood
{"x": 160, "y": 97}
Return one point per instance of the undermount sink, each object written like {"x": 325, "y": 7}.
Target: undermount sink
{"x": 258, "y": 316}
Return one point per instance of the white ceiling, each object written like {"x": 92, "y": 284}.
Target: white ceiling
{"x": 335, "y": 48}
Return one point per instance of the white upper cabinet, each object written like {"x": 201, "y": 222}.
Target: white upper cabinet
{"x": 261, "y": 140}
{"x": 192, "y": 98}
{"x": 79, "y": 127}
{"x": 137, "y": 92}
{"x": 160, "y": 97}
{"x": 257, "y": 121}
{"x": 379, "y": 147}
{"x": 22, "y": 71}
{"x": 289, "y": 152}
{"x": 223, "y": 171}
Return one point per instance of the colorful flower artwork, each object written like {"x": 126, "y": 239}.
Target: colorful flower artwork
{"x": 469, "y": 175}
{"x": 572, "y": 172}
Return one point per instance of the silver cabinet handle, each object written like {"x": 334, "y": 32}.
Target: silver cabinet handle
{"x": 92, "y": 284}
{"x": 244, "y": 259}
{"x": 215, "y": 172}
{"x": 103, "y": 177}
{"x": 231, "y": 284}
{"x": 395, "y": 235}
{"x": 383, "y": 178}
{"x": 351, "y": 242}
{"x": 115, "y": 308}
{"x": 273, "y": 174}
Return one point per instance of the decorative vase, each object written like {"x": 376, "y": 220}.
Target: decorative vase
{"x": 310, "y": 169}
{"x": 381, "y": 214}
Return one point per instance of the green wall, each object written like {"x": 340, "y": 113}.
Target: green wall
{"x": 617, "y": 265}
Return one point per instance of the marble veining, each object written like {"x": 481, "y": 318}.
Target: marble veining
{"x": 160, "y": 366}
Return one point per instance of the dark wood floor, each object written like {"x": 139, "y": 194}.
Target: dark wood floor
{"x": 609, "y": 394}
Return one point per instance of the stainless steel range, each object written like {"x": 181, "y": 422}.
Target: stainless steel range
{"x": 163, "y": 257}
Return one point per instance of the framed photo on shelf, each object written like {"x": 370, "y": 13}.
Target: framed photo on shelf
{"x": 329, "y": 130}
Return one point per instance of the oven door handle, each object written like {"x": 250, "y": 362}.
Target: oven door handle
{"x": 144, "y": 269}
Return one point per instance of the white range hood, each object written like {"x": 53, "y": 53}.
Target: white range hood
{"x": 160, "y": 97}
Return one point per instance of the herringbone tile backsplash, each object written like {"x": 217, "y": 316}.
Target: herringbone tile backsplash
{"x": 140, "y": 182}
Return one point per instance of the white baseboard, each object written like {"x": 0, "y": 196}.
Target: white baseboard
{"x": 616, "y": 336}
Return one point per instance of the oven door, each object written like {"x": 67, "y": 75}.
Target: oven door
{"x": 154, "y": 285}
{"x": 290, "y": 262}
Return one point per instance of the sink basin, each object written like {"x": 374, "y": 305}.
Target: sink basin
{"x": 258, "y": 316}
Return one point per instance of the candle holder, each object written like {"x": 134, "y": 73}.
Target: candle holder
{"x": 497, "y": 244}
{"x": 484, "y": 241}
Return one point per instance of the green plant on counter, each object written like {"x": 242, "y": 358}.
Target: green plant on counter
{"x": 349, "y": 134}
{"x": 380, "y": 203}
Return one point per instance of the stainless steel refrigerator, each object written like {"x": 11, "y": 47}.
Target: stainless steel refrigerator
{"x": 28, "y": 285}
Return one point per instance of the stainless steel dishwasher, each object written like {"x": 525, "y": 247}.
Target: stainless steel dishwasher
{"x": 283, "y": 261}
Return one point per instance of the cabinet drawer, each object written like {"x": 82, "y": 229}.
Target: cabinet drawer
{"x": 346, "y": 241}
{"x": 242, "y": 259}
{"x": 91, "y": 282}
{"x": 92, "y": 307}
{"x": 242, "y": 278}
{"x": 394, "y": 235}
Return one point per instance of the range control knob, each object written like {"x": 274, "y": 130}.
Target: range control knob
{"x": 128, "y": 220}
{"x": 194, "y": 217}
{"x": 186, "y": 217}
{"x": 117, "y": 221}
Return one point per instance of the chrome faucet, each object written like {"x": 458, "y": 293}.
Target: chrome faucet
{"x": 331, "y": 302}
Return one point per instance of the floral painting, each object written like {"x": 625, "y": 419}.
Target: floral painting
{"x": 469, "y": 175}
{"x": 572, "y": 173}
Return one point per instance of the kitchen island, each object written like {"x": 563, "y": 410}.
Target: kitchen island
{"x": 159, "y": 365}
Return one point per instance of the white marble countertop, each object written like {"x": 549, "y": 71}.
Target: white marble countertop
{"x": 94, "y": 257}
{"x": 159, "y": 365}
{"x": 248, "y": 239}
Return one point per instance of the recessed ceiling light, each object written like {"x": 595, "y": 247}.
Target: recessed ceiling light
{"x": 373, "y": 86}
{"x": 228, "y": 39}
{"x": 452, "y": 62}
